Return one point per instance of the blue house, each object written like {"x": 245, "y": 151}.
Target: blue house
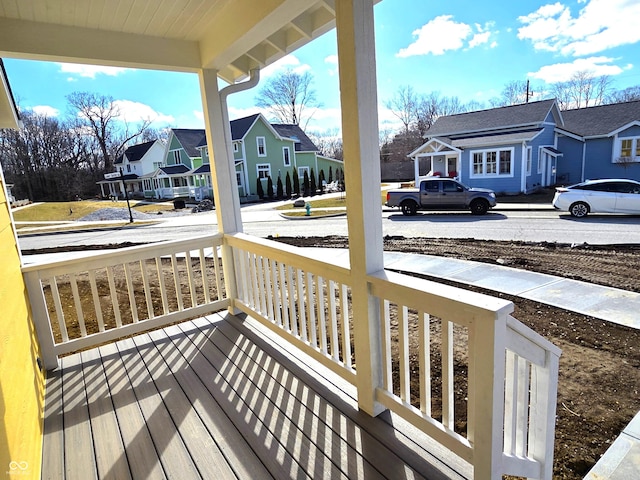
{"x": 522, "y": 148}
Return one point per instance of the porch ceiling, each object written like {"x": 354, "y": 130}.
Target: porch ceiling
{"x": 231, "y": 36}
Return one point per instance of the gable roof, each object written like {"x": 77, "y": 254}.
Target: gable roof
{"x": 602, "y": 120}
{"x": 175, "y": 169}
{"x": 136, "y": 152}
{"x": 190, "y": 139}
{"x": 302, "y": 142}
{"x": 241, "y": 126}
{"x": 526, "y": 114}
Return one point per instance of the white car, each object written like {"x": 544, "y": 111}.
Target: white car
{"x": 599, "y": 196}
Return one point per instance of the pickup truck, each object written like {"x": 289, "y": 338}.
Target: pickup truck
{"x": 441, "y": 194}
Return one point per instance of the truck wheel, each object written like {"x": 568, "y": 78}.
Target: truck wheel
{"x": 479, "y": 207}
{"x": 409, "y": 207}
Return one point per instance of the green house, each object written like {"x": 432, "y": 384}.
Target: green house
{"x": 261, "y": 150}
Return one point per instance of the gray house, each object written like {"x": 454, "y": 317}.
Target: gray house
{"x": 522, "y": 148}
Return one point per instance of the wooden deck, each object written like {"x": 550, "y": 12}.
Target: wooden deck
{"x": 219, "y": 398}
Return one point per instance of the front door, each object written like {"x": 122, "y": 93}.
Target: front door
{"x": 548, "y": 169}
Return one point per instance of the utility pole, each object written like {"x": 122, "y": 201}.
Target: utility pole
{"x": 529, "y": 93}
{"x": 126, "y": 195}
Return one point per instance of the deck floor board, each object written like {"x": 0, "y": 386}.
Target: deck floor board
{"x": 215, "y": 398}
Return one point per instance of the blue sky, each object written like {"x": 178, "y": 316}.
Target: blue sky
{"x": 463, "y": 48}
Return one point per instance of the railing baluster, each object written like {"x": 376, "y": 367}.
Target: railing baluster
{"x": 176, "y": 282}
{"x": 203, "y": 273}
{"x": 266, "y": 265}
{"x": 147, "y": 288}
{"x": 447, "y": 374}
{"x": 333, "y": 314}
{"x": 96, "y": 299}
{"x": 284, "y": 297}
{"x": 510, "y": 403}
{"x": 333, "y": 319}
{"x": 335, "y": 346}
{"x": 262, "y": 301}
{"x": 293, "y": 324}
{"x": 163, "y": 288}
{"x": 403, "y": 354}
{"x": 346, "y": 335}
{"x": 192, "y": 287}
{"x": 523, "y": 372}
{"x": 319, "y": 300}
{"x": 301, "y": 304}
{"x": 132, "y": 296}
{"x": 321, "y": 314}
{"x": 344, "y": 298}
{"x": 76, "y": 300}
{"x": 277, "y": 292}
{"x": 424, "y": 345}
{"x": 387, "y": 370}
{"x": 311, "y": 309}
{"x": 53, "y": 283}
{"x": 114, "y": 297}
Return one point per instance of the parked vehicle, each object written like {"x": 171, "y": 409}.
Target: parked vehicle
{"x": 599, "y": 196}
{"x": 441, "y": 194}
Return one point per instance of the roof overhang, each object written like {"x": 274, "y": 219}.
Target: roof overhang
{"x": 635, "y": 123}
{"x": 435, "y": 146}
{"x": 8, "y": 112}
{"x": 575, "y": 136}
{"x": 230, "y": 36}
{"x": 498, "y": 139}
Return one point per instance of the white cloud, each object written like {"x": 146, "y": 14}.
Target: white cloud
{"x": 199, "y": 114}
{"x": 136, "y": 112}
{"x": 332, "y": 61}
{"x": 89, "y": 71}
{"x": 443, "y": 33}
{"x": 45, "y": 110}
{"x": 288, "y": 62}
{"x": 599, "y": 25}
{"x": 561, "y": 72}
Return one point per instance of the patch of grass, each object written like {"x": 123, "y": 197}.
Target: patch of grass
{"x": 70, "y": 211}
{"x": 314, "y": 213}
{"x": 321, "y": 203}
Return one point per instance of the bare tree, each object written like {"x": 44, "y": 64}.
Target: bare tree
{"x": 329, "y": 143}
{"x": 289, "y": 98}
{"x": 582, "y": 90}
{"x": 404, "y": 105}
{"x": 513, "y": 93}
{"x": 629, "y": 94}
{"x": 99, "y": 114}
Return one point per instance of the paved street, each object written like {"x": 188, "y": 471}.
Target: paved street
{"x": 511, "y": 222}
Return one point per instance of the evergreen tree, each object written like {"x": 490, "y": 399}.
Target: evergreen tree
{"x": 313, "y": 186}
{"x": 279, "y": 189}
{"x": 296, "y": 184}
{"x": 288, "y": 190}
{"x": 321, "y": 180}
{"x": 305, "y": 184}
{"x": 259, "y": 189}
{"x": 269, "y": 187}
{"x": 330, "y": 174}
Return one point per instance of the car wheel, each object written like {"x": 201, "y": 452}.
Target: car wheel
{"x": 579, "y": 209}
{"x": 409, "y": 207}
{"x": 479, "y": 207}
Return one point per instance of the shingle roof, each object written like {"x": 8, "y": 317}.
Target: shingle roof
{"x": 496, "y": 139}
{"x": 241, "y": 126}
{"x": 206, "y": 168}
{"x": 136, "y": 152}
{"x": 492, "y": 119}
{"x": 601, "y": 120}
{"x": 175, "y": 169}
{"x": 303, "y": 142}
{"x": 190, "y": 139}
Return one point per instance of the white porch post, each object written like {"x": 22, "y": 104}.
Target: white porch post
{"x": 416, "y": 169}
{"x": 222, "y": 168}
{"x": 358, "y": 98}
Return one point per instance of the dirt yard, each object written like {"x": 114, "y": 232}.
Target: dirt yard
{"x": 599, "y": 389}
{"x": 600, "y": 365}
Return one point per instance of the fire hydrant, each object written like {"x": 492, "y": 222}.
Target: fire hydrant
{"x": 307, "y": 206}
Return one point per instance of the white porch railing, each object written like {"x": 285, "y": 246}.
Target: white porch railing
{"x": 469, "y": 375}
{"x": 122, "y": 292}
{"x": 469, "y": 351}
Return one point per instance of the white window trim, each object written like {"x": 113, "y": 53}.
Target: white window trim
{"x": 484, "y": 163}
{"x": 529, "y": 160}
{"x": 264, "y": 144}
{"x": 301, "y": 171}
{"x": 263, "y": 167}
{"x": 540, "y": 165}
{"x": 286, "y": 161}
{"x": 176, "y": 157}
{"x": 635, "y": 147}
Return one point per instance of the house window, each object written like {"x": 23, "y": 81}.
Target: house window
{"x": 235, "y": 147}
{"x": 176, "y": 157}
{"x": 301, "y": 171}
{"x": 491, "y": 163}
{"x": 262, "y": 147}
{"x": 629, "y": 150}
{"x": 529, "y": 153}
{"x": 286, "y": 156}
{"x": 264, "y": 170}
{"x": 128, "y": 168}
